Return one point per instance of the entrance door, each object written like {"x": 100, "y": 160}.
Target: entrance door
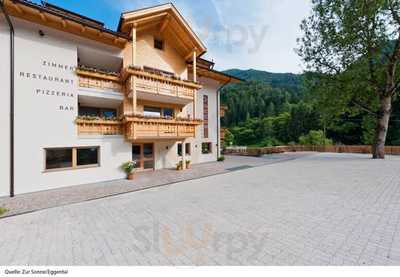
{"x": 143, "y": 155}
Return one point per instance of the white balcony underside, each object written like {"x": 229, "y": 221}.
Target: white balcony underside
{"x": 162, "y": 98}
{"x": 97, "y": 92}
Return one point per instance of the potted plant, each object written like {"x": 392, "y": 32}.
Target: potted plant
{"x": 179, "y": 165}
{"x": 188, "y": 162}
{"x": 129, "y": 168}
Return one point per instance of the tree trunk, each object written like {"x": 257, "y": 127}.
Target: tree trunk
{"x": 382, "y": 124}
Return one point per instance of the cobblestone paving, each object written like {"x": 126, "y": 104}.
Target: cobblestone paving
{"x": 29, "y": 202}
{"x": 323, "y": 209}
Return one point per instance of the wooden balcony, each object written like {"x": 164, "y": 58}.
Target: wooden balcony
{"x": 137, "y": 128}
{"x": 222, "y": 110}
{"x": 99, "y": 127}
{"x": 151, "y": 86}
{"x": 100, "y": 81}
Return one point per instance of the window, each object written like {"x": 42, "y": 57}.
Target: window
{"x": 152, "y": 111}
{"x": 188, "y": 150}
{"x": 206, "y": 148}
{"x": 87, "y": 156}
{"x": 58, "y": 158}
{"x": 158, "y": 44}
{"x": 205, "y": 116}
{"x": 99, "y": 112}
{"x": 70, "y": 158}
{"x": 167, "y": 112}
{"x": 180, "y": 149}
{"x": 158, "y": 112}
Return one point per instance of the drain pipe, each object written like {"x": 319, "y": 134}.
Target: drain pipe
{"x": 11, "y": 97}
{"x": 219, "y": 119}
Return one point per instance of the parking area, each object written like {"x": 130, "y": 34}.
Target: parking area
{"x": 319, "y": 209}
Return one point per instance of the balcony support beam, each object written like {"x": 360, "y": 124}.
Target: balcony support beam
{"x": 183, "y": 155}
{"x": 194, "y": 66}
{"x": 133, "y": 34}
{"x": 134, "y": 95}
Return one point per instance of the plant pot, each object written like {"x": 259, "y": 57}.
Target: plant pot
{"x": 131, "y": 176}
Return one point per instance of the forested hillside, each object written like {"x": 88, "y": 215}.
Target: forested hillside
{"x": 275, "y": 108}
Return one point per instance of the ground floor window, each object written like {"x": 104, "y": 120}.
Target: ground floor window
{"x": 71, "y": 157}
{"x": 188, "y": 150}
{"x": 87, "y": 156}
{"x": 206, "y": 148}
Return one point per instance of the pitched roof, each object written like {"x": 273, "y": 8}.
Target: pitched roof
{"x": 169, "y": 21}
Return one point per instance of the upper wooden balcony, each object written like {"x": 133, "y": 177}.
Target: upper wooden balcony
{"x": 99, "y": 80}
{"x": 158, "y": 87}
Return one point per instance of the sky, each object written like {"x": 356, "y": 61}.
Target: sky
{"x": 257, "y": 34}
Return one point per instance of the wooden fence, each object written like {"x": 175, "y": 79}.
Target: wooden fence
{"x": 357, "y": 149}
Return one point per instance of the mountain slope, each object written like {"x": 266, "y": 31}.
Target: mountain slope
{"x": 289, "y": 81}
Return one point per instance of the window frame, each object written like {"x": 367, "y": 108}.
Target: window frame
{"x": 179, "y": 145}
{"x": 75, "y": 165}
{"x": 161, "y": 42}
{"x": 188, "y": 149}
{"x": 210, "y": 148}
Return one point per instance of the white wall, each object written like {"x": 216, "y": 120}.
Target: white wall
{"x": 4, "y": 107}
{"x": 44, "y": 121}
{"x": 167, "y": 158}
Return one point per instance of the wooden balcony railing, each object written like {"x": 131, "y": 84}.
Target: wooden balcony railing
{"x": 222, "y": 110}
{"x": 148, "y": 82}
{"x": 89, "y": 79}
{"x": 137, "y": 128}
{"x": 99, "y": 127}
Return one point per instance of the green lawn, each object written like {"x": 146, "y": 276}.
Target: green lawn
{"x": 2, "y": 210}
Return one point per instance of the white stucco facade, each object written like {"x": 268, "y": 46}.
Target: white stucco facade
{"x": 46, "y": 106}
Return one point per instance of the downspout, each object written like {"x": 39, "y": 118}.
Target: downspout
{"x": 11, "y": 97}
{"x": 219, "y": 119}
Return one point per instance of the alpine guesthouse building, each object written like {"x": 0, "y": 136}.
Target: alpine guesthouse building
{"x": 79, "y": 100}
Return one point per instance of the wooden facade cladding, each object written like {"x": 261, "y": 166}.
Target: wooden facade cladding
{"x": 88, "y": 79}
{"x": 146, "y": 82}
{"x": 137, "y": 128}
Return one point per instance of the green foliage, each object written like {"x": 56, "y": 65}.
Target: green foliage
{"x": 262, "y": 114}
{"x": 3, "y": 210}
{"x": 128, "y": 167}
{"x": 315, "y": 138}
{"x": 229, "y": 138}
{"x": 221, "y": 159}
{"x": 352, "y": 49}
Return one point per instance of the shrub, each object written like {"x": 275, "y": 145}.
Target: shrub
{"x": 221, "y": 159}
{"x": 128, "y": 167}
{"x": 315, "y": 138}
{"x": 179, "y": 165}
{"x": 3, "y": 210}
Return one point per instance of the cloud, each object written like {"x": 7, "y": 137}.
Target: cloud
{"x": 257, "y": 34}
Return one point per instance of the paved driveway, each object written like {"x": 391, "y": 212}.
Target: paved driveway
{"x": 323, "y": 209}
